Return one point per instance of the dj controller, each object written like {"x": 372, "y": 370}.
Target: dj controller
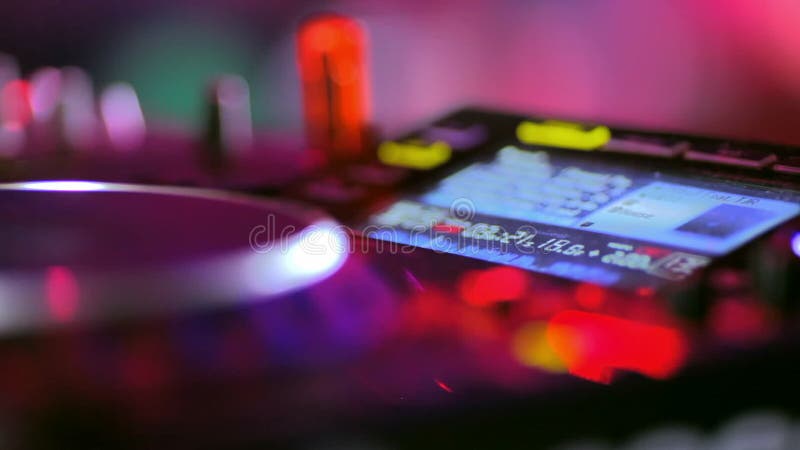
{"x": 488, "y": 280}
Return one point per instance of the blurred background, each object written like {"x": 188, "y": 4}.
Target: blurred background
{"x": 729, "y": 67}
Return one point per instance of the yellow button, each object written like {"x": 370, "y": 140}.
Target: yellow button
{"x": 414, "y": 154}
{"x": 563, "y": 134}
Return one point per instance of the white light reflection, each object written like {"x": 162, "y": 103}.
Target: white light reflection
{"x": 314, "y": 254}
{"x": 76, "y": 186}
{"x": 122, "y": 116}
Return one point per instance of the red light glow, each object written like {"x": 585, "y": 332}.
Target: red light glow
{"x": 15, "y": 105}
{"x": 332, "y": 63}
{"x": 590, "y": 296}
{"x": 444, "y": 386}
{"x": 143, "y": 365}
{"x": 531, "y": 348}
{"x": 447, "y": 228}
{"x": 593, "y": 346}
{"x": 737, "y": 320}
{"x": 655, "y": 252}
{"x": 486, "y": 287}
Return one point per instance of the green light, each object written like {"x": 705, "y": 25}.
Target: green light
{"x": 172, "y": 61}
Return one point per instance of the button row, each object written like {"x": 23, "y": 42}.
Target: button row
{"x": 575, "y": 136}
{"x": 732, "y": 156}
{"x": 346, "y": 187}
{"x": 727, "y": 154}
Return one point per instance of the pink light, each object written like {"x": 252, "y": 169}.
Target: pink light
{"x": 45, "y": 92}
{"x": 15, "y": 110}
{"x": 645, "y": 291}
{"x": 61, "y": 292}
{"x": 447, "y": 228}
{"x": 413, "y": 281}
{"x": 123, "y": 116}
{"x": 444, "y": 386}
{"x": 15, "y": 105}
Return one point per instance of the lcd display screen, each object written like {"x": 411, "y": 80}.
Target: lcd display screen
{"x": 583, "y": 218}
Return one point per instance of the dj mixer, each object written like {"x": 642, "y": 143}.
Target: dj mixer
{"x": 488, "y": 280}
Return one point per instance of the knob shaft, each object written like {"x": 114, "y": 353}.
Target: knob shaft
{"x": 229, "y": 127}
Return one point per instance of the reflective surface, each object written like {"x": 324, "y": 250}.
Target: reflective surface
{"x": 583, "y": 218}
{"x": 77, "y": 251}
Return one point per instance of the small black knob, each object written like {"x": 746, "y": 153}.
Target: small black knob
{"x": 229, "y": 127}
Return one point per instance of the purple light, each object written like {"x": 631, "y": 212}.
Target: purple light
{"x": 796, "y": 244}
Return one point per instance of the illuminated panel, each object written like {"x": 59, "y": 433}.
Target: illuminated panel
{"x": 563, "y": 134}
{"x": 414, "y": 154}
{"x": 569, "y": 215}
{"x": 332, "y": 63}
